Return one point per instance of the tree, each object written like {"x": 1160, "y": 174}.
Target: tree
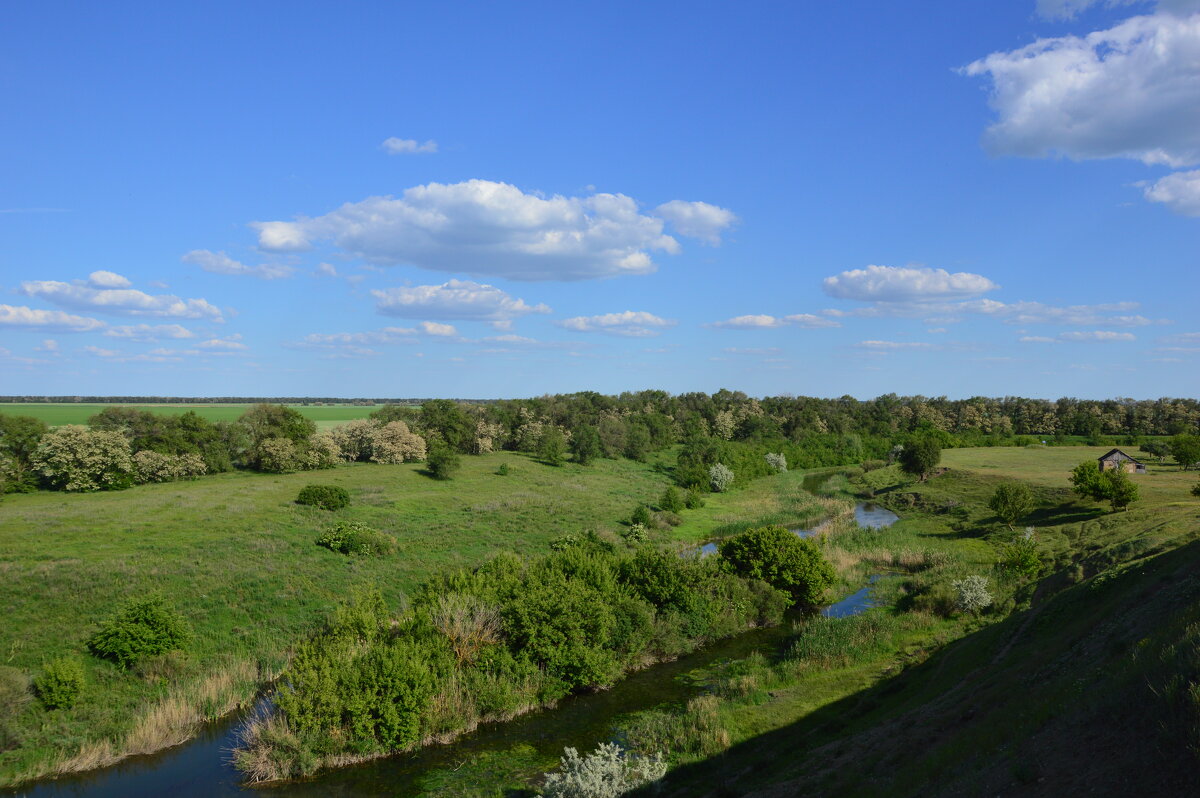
{"x": 19, "y": 439}
{"x": 1113, "y": 486}
{"x": 1085, "y": 480}
{"x": 442, "y": 461}
{"x": 1157, "y": 448}
{"x": 782, "y": 560}
{"x": 920, "y": 456}
{"x": 76, "y": 458}
{"x": 553, "y": 446}
{"x": 585, "y": 444}
{"x": 1011, "y": 501}
{"x": 1186, "y": 450}
{"x": 672, "y": 500}
{"x": 447, "y": 420}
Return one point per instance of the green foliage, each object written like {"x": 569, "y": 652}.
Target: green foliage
{"x": 442, "y": 462}
{"x": 552, "y": 446}
{"x": 348, "y": 537}
{"x": 672, "y": 500}
{"x": 972, "y": 593}
{"x": 835, "y": 642}
{"x": 782, "y": 560}
{"x": 1085, "y": 480}
{"x": 447, "y": 422}
{"x": 327, "y": 497}
{"x": 1196, "y": 489}
{"x": 1186, "y": 450}
{"x": 607, "y": 772}
{"x": 641, "y": 515}
{"x": 720, "y": 477}
{"x": 502, "y": 471}
{"x": 920, "y": 456}
{"x": 60, "y": 683}
{"x": 694, "y": 500}
{"x": 1112, "y": 485}
{"x": 76, "y": 458}
{"x": 585, "y": 444}
{"x": 142, "y": 628}
{"x": 265, "y": 421}
{"x": 19, "y": 439}
{"x": 1020, "y": 556}
{"x": 14, "y": 692}
{"x": 564, "y": 542}
{"x": 777, "y": 461}
{"x": 1011, "y": 502}
{"x": 634, "y": 533}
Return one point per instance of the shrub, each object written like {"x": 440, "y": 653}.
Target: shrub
{"x": 973, "y": 594}
{"x": 564, "y": 542}
{"x": 442, "y": 461}
{"x": 782, "y": 560}
{"x": 1196, "y": 489}
{"x": 720, "y": 477}
{"x": 394, "y": 443}
{"x": 920, "y": 456}
{"x": 641, "y": 515}
{"x": 1011, "y": 501}
{"x": 634, "y": 533}
{"x": 327, "y": 497}
{"x": 502, "y": 471}
{"x": 151, "y": 466}
{"x": 76, "y": 458}
{"x": 142, "y": 628}
{"x": 672, "y": 500}
{"x": 776, "y": 460}
{"x": 355, "y": 438}
{"x": 61, "y": 683}
{"x": 607, "y": 772}
{"x": 277, "y": 456}
{"x": 694, "y": 500}
{"x": 872, "y": 465}
{"x": 1020, "y": 556}
{"x": 347, "y": 537}
{"x": 14, "y": 691}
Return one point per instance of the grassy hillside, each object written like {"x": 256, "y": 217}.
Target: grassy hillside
{"x": 1092, "y": 684}
{"x": 59, "y": 414}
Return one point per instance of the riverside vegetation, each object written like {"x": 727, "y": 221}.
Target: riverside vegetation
{"x": 231, "y": 547}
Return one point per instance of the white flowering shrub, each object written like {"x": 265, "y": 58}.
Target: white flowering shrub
{"x": 776, "y": 460}
{"x": 973, "y": 594}
{"x": 354, "y": 439}
{"x": 607, "y": 772}
{"x": 720, "y": 477}
{"x": 150, "y": 466}
{"x": 395, "y": 443}
{"x": 78, "y": 458}
{"x": 278, "y": 456}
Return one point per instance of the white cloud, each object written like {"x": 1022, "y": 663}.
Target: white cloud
{"x": 395, "y": 146}
{"x": 1099, "y": 336}
{"x": 1114, "y": 314}
{"x": 94, "y": 295}
{"x": 1069, "y": 9}
{"x": 153, "y": 356}
{"x": 454, "y": 299}
{"x": 220, "y": 263}
{"x": 904, "y": 284}
{"x": 764, "y": 321}
{"x": 388, "y": 335}
{"x": 434, "y": 328}
{"x": 889, "y": 346}
{"x": 697, "y": 219}
{"x": 1132, "y": 91}
{"x": 326, "y": 270}
{"x": 48, "y": 345}
{"x": 104, "y": 279}
{"x": 230, "y": 343}
{"x": 1036, "y": 339}
{"x": 630, "y": 323}
{"x": 149, "y": 332}
{"x": 483, "y": 227}
{"x": 29, "y": 318}
{"x": 1180, "y": 192}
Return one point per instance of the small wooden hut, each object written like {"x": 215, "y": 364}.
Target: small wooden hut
{"x": 1118, "y": 459}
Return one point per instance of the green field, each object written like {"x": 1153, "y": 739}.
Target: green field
{"x": 237, "y": 557}
{"x": 58, "y": 414}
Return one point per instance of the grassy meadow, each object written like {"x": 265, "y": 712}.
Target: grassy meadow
{"x": 57, "y": 414}
{"x": 237, "y": 556}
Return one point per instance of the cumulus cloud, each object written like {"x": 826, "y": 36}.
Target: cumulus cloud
{"x": 697, "y": 219}
{"x": 98, "y": 294}
{"x": 149, "y": 332}
{"x": 454, "y": 299}
{"x": 23, "y": 317}
{"x": 396, "y": 146}
{"x": 230, "y": 343}
{"x": 483, "y": 227}
{"x": 434, "y": 328}
{"x": 220, "y": 263}
{"x": 904, "y": 284}
{"x": 763, "y": 321}
{"x": 630, "y": 323}
{"x": 1180, "y": 192}
{"x": 388, "y": 335}
{"x": 1114, "y": 314}
{"x": 326, "y": 270}
{"x": 1131, "y": 91}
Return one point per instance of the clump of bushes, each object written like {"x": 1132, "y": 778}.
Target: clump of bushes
{"x": 142, "y": 628}
{"x": 442, "y": 462}
{"x": 672, "y": 500}
{"x": 776, "y": 460}
{"x": 694, "y": 500}
{"x": 641, "y": 515}
{"x": 151, "y": 466}
{"x": 327, "y": 497}
{"x": 607, "y": 771}
{"x": 973, "y": 594}
{"x": 60, "y": 683}
{"x": 14, "y": 691}
{"x": 348, "y": 537}
{"x": 634, "y": 533}
{"x": 781, "y": 559}
{"x": 77, "y": 458}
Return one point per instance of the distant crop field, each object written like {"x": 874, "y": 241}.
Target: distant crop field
{"x": 58, "y": 414}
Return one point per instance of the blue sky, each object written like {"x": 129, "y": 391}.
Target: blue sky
{"x": 488, "y": 200}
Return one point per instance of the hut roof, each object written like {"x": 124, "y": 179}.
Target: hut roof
{"x": 1111, "y": 455}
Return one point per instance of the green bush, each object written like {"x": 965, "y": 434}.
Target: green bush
{"x": 347, "y": 537}
{"x": 61, "y": 683}
{"x": 442, "y": 461}
{"x": 782, "y": 560}
{"x": 672, "y": 500}
{"x": 694, "y": 500}
{"x": 502, "y": 471}
{"x": 1011, "y": 502}
{"x": 327, "y": 497}
{"x": 14, "y": 691}
{"x": 641, "y": 515}
{"x": 142, "y": 628}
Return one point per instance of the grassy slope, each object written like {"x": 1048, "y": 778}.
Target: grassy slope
{"x": 58, "y": 414}
{"x": 1057, "y": 698}
{"x": 236, "y": 555}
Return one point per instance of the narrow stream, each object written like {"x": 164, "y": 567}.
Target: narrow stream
{"x": 200, "y": 768}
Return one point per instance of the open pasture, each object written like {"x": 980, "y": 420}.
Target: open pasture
{"x": 71, "y": 413}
